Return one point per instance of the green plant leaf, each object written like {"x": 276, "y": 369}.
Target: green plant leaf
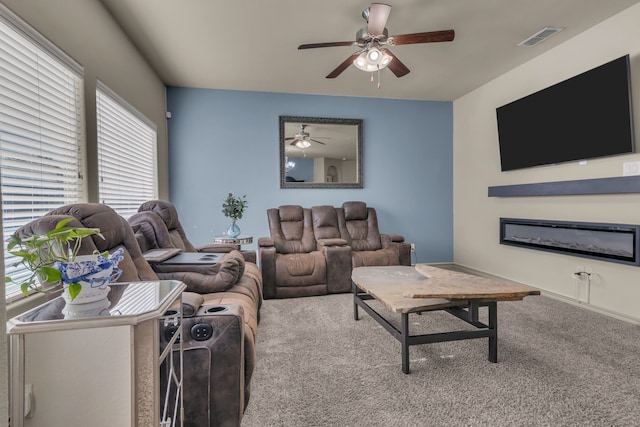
{"x": 49, "y": 274}
{"x": 63, "y": 222}
{"x": 74, "y": 290}
{"x": 13, "y": 241}
{"x": 233, "y": 207}
{"x": 24, "y": 287}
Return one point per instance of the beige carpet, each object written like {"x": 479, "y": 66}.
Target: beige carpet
{"x": 558, "y": 365}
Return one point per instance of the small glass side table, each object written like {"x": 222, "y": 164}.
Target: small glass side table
{"x": 240, "y": 240}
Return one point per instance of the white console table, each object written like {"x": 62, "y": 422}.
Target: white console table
{"x": 97, "y": 367}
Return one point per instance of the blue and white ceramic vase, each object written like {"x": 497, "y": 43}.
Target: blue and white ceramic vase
{"x": 93, "y": 273}
{"x": 233, "y": 231}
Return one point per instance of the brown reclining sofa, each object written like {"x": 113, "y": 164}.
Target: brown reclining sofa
{"x": 225, "y": 297}
{"x": 312, "y": 251}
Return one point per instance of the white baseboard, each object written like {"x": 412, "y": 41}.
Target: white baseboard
{"x": 560, "y": 297}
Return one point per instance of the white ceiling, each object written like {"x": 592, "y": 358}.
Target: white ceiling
{"x": 252, "y": 44}
{"x": 337, "y": 141}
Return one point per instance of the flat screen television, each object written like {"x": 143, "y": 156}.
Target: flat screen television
{"x": 584, "y": 117}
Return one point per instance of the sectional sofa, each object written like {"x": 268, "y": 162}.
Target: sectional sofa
{"x": 220, "y": 311}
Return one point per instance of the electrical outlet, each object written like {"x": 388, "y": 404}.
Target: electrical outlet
{"x": 413, "y": 247}
{"x": 630, "y": 168}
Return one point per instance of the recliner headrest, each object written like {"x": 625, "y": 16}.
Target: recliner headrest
{"x": 354, "y": 210}
{"x": 97, "y": 215}
{"x": 46, "y": 223}
{"x": 164, "y": 209}
{"x": 291, "y": 213}
{"x": 324, "y": 216}
{"x": 145, "y": 225}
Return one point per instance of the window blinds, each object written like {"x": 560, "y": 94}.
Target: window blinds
{"x": 126, "y": 154}
{"x": 41, "y": 129}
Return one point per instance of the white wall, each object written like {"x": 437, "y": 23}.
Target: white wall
{"x": 615, "y": 287}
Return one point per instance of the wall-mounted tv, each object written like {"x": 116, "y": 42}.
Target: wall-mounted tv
{"x": 584, "y": 117}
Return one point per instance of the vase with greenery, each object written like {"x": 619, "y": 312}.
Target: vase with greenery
{"x": 52, "y": 260}
{"x": 233, "y": 207}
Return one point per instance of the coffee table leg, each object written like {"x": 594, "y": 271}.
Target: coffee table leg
{"x": 354, "y": 289}
{"x": 493, "y": 325}
{"x": 404, "y": 341}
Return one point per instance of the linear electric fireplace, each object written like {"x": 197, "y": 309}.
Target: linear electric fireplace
{"x": 605, "y": 242}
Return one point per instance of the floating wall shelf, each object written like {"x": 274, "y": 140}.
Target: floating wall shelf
{"x": 614, "y": 185}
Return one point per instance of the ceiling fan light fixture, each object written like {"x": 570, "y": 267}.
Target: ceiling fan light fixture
{"x": 386, "y": 58}
{"x": 302, "y": 143}
{"x": 372, "y": 59}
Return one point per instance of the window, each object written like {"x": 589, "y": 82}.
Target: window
{"x": 126, "y": 154}
{"x": 41, "y": 129}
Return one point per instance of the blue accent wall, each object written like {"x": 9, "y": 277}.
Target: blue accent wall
{"x": 224, "y": 141}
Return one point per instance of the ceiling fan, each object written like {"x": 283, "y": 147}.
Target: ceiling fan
{"x": 302, "y": 138}
{"x": 372, "y": 38}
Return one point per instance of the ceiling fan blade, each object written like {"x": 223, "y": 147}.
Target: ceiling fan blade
{"x": 330, "y": 44}
{"x": 287, "y": 139}
{"x": 340, "y": 68}
{"x": 315, "y": 140}
{"x": 428, "y": 37}
{"x": 396, "y": 66}
{"x": 378, "y": 15}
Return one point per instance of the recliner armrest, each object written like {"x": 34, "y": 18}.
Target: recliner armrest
{"x": 191, "y": 303}
{"x": 395, "y": 242}
{"x": 330, "y": 243}
{"x": 397, "y": 238}
{"x": 268, "y": 268}
{"x": 265, "y": 242}
{"x": 215, "y": 377}
{"x": 217, "y": 247}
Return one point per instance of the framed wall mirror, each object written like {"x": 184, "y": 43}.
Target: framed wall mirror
{"x": 320, "y": 152}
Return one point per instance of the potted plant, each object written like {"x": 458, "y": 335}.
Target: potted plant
{"x": 52, "y": 259}
{"x": 233, "y": 207}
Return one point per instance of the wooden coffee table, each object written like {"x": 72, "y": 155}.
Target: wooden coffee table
{"x": 406, "y": 290}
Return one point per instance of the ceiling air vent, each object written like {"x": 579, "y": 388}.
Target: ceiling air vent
{"x": 540, "y": 36}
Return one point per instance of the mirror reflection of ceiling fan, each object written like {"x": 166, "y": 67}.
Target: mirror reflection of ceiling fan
{"x": 372, "y": 38}
{"x": 303, "y": 140}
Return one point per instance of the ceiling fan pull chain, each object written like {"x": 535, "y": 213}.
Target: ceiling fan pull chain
{"x": 372, "y": 77}
{"x": 378, "y": 77}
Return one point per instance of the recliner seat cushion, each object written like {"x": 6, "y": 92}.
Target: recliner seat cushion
{"x": 380, "y": 257}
